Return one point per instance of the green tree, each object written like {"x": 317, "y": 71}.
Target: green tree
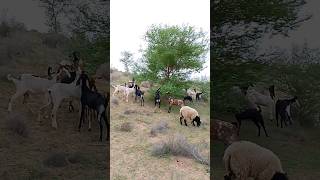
{"x": 172, "y": 54}
{"x": 126, "y": 60}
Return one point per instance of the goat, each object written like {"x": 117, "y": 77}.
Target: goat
{"x": 254, "y": 115}
{"x": 119, "y": 88}
{"x": 94, "y": 101}
{"x": 128, "y": 91}
{"x": 256, "y": 99}
{"x": 189, "y": 98}
{"x": 283, "y": 109}
{"x": 198, "y": 96}
{"x": 157, "y": 98}
{"x": 174, "y": 102}
{"x": 30, "y": 83}
{"x": 191, "y": 93}
{"x": 139, "y": 94}
{"x": 58, "y": 92}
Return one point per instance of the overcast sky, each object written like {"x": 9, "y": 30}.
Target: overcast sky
{"x": 131, "y": 19}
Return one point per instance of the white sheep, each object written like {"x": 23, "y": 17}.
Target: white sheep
{"x": 189, "y": 114}
{"x": 244, "y": 159}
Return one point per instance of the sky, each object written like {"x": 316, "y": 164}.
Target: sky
{"x": 131, "y": 19}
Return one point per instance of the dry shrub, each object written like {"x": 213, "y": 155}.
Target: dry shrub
{"x": 178, "y": 145}
{"x": 114, "y": 101}
{"x": 56, "y": 160}
{"x": 129, "y": 111}
{"x": 17, "y": 123}
{"x": 126, "y": 127}
{"x": 159, "y": 127}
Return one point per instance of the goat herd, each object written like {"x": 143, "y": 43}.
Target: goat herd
{"x": 244, "y": 159}
{"x": 69, "y": 81}
{"x": 186, "y": 113}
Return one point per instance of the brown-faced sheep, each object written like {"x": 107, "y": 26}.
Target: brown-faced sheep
{"x": 189, "y": 114}
{"x": 174, "y": 102}
{"x": 244, "y": 159}
{"x": 225, "y": 131}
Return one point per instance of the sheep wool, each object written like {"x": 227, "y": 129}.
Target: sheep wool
{"x": 245, "y": 159}
{"x": 189, "y": 114}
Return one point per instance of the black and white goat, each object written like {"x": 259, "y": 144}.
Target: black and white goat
{"x": 157, "y": 98}
{"x": 254, "y": 115}
{"x": 139, "y": 94}
{"x": 283, "y": 109}
{"x": 198, "y": 96}
{"x": 187, "y": 98}
{"x": 93, "y": 100}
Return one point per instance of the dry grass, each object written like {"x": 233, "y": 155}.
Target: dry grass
{"x": 126, "y": 127}
{"x": 114, "y": 101}
{"x": 17, "y": 124}
{"x": 56, "y": 160}
{"x": 159, "y": 127}
{"x": 178, "y": 145}
{"x": 131, "y": 157}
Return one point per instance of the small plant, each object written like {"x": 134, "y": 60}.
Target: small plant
{"x": 178, "y": 145}
{"x": 159, "y": 127}
{"x": 17, "y": 123}
{"x": 126, "y": 127}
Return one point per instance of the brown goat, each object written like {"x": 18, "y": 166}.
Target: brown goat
{"x": 174, "y": 102}
{"x": 225, "y": 131}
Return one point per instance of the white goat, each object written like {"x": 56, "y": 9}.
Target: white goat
{"x": 58, "y": 92}
{"x": 118, "y": 88}
{"x": 129, "y": 91}
{"x": 256, "y": 98}
{"x": 191, "y": 93}
{"x": 32, "y": 84}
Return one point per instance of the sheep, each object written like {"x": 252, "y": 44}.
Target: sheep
{"x": 31, "y": 83}
{"x": 139, "y": 94}
{"x": 244, "y": 159}
{"x": 57, "y": 92}
{"x": 189, "y": 114}
{"x": 283, "y": 109}
{"x": 225, "y": 131}
{"x": 93, "y": 100}
{"x": 256, "y": 98}
{"x": 189, "y": 98}
{"x": 174, "y": 102}
{"x": 157, "y": 98}
{"x": 254, "y": 115}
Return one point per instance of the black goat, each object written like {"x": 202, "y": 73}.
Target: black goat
{"x": 93, "y": 100}
{"x": 283, "y": 109}
{"x": 254, "y": 115}
{"x": 189, "y": 98}
{"x": 198, "y": 96}
{"x": 157, "y": 98}
{"x": 139, "y": 94}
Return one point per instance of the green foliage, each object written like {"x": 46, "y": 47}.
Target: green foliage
{"x": 173, "y": 52}
{"x": 94, "y": 52}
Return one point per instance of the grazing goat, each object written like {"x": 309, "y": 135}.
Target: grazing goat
{"x": 189, "y": 98}
{"x": 191, "y": 93}
{"x": 189, "y": 114}
{"x": 157, "y": 98}
{"x": 283, "y": 109}
{"x": 254, "y": 115}
{"x": 174, "y": 102}
{"x": 255, "y": 99}
{"x": 93, "y": 100}
{"x": 30, "y": 83}
{"x": 139, "y": 94}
